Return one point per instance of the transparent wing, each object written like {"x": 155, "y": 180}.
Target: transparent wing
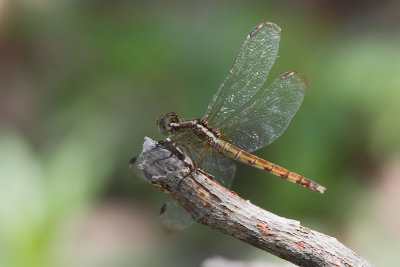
{"x": 267, "y": 114}
{"x": 175, "y": 218}
{"x": 248, "y": 74}
{"x": 210, "y": 161}
{"x": 222, "y": 168}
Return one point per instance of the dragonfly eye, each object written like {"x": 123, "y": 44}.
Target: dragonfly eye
{"x": 164, "y": 121}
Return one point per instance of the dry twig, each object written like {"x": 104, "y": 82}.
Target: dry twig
{"x": 215, "y": 206}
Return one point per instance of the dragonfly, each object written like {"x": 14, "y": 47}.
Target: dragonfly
{"x": 244, "y": 115}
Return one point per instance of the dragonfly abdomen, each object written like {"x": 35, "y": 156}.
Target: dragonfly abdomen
{"x": 238, "y": 154}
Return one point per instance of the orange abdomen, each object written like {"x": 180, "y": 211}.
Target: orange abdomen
{"x": 238, "y": 154}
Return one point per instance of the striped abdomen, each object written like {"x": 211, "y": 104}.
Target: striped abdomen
{"x": 238, "y": 154}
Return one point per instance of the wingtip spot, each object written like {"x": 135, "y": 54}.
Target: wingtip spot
{"x": 256, "y": 29}
{"x": 286, "y": 75}
{"x": 267, "y": 24}
{"x": 132, "y": 161}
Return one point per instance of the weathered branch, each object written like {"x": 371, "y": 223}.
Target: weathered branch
{"x": 217, "y": 207}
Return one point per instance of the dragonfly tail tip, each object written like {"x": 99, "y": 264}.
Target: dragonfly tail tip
{"x": 320, "y": 189}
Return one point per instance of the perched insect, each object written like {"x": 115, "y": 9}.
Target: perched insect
{"x": 243, "y": 116}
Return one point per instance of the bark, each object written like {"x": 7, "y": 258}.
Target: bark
{"x": 217, "y": 207}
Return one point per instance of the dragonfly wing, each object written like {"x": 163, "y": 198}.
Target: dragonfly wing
{"x": 175, "y": 218}
{"x": 208, "y": 160}
{"x": 267, "y": 114}
{"x": 222, "y": 168}
{"x": 248, "y": 74}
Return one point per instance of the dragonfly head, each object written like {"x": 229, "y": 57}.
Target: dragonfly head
{"x": 164, "y": 123}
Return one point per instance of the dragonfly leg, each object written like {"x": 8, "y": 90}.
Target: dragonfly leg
{"x": 201, "y": 158}
{"x": 172, "y": 148}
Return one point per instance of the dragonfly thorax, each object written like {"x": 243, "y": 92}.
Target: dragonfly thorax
{"x": 205, "y": 132}
{"x": 170, "y": 124}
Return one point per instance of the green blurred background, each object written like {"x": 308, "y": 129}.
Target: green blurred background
{"x": 83, "y": 81}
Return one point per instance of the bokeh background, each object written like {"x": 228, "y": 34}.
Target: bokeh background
{"x": 83, "y": 81}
